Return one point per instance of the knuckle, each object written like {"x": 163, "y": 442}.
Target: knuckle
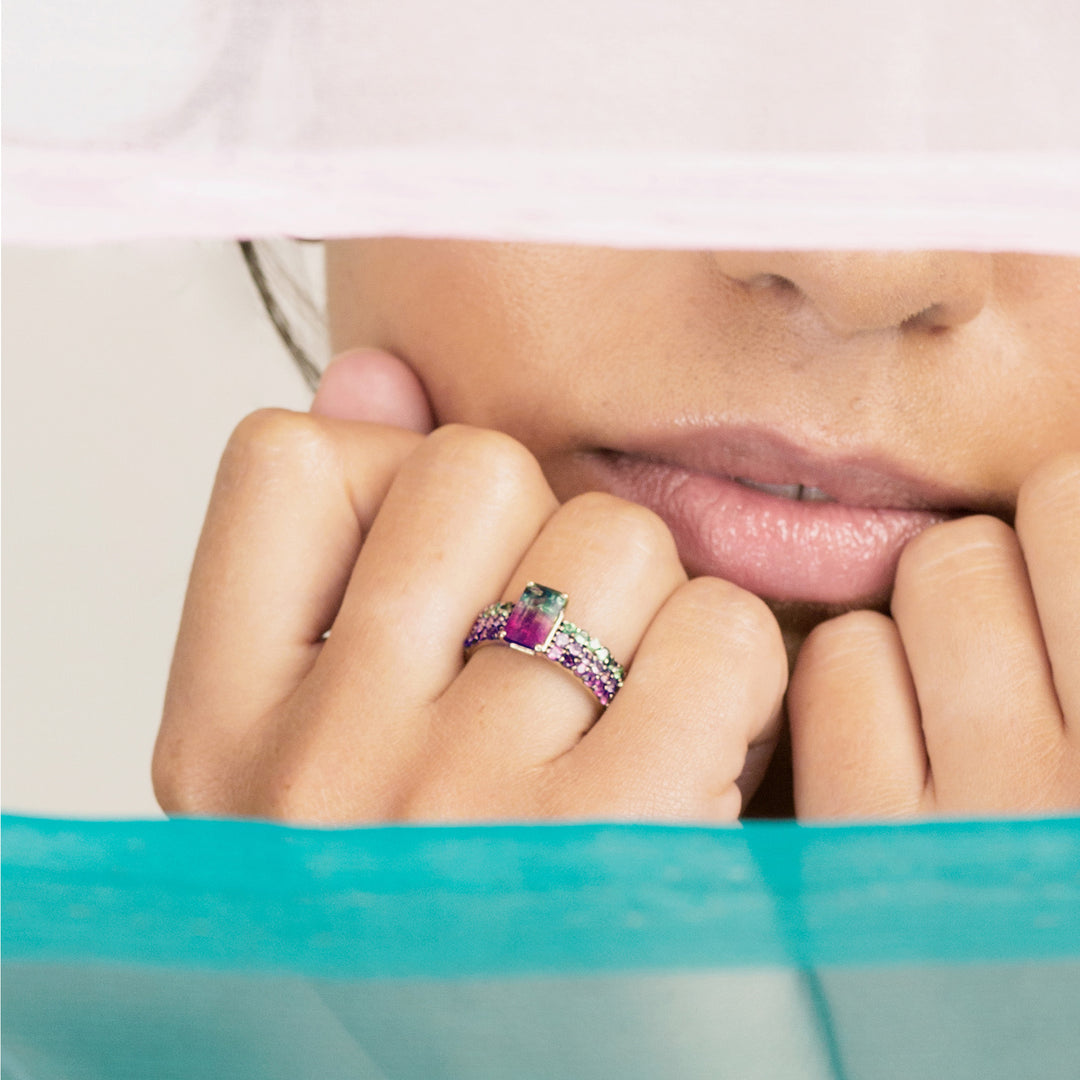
{"x": 292, "y": 803}
{"x": 1053, "y": 488}
{"x": 709, "y": 598}
{"x": 275, "y": 442}
{"x": 434, "y": 804}
{"x": 505, "y": 464}
{"x": 847, "y": 633}
{"x": 748, "y": 615}
{"x": 180, "y": 782}
{"x": 201, "y": 771}
{"x": 635, "y": 526}
{"x": 966, "y": 546}
{"x": 741, "y": 619}
{"x": 163, "y": 780}
{"x": 844, "y": 643}
{"x": 294, "y": 791}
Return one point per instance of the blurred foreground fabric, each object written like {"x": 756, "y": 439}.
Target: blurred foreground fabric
{"x": 852, "y": 124}
{"x": 202, "y": 948}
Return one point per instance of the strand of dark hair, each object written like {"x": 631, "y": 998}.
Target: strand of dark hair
{"x": 308, "y": 370}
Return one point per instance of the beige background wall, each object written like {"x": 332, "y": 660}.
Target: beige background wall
{"x": 124, "y": 370}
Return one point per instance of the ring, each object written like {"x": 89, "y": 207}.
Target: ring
{"x": 535, "y": 625}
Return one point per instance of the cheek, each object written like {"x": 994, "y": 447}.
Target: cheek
{"x": 489, "y": 329}
{"x": 430, "y": 303}
{"x": 474, "y": 371}
{"x": 1037, "y": 389}
{"x": 495, "y": 384}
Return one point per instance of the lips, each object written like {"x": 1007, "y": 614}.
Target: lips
{"x": 785, "y": 523}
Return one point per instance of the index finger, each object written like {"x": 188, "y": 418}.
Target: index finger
{"x": 294, "y": 496}
{"x": 1048, "y": 526}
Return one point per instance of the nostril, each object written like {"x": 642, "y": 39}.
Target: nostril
{"x": 933, "y": 319}
{"x": 921, "y": 317}
{"x": 772, "y": 281}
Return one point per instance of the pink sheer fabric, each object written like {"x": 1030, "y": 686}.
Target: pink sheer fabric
{"x": 860, "y": 123}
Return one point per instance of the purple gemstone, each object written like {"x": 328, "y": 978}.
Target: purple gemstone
{"x": 554, "y": 652}
{"x": 535, "y": 616}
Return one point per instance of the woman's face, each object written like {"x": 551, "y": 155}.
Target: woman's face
{"x": 872, "y": 394}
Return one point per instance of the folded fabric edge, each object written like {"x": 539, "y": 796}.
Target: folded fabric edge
{"x": 394, "y": 902}
{"x": 641, "y": 200}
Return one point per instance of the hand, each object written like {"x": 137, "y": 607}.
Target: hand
{"x": 967, "y": 700}
{"x": 394, "y": 541}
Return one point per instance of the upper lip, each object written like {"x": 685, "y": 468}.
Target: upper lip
{"x": 855, "y": 478}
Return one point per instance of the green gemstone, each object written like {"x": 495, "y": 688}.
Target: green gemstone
{"x": 535, "y": 617}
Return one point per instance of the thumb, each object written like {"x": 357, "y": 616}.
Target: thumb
{"x": 376, "y": 387}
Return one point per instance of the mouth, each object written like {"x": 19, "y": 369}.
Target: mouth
{"x": 782, "y": 522}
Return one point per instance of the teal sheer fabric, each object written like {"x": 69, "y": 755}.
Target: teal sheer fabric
{"x": 204, "y": 948}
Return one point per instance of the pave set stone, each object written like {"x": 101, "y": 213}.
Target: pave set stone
{"x": 570, "y": 646}
{"x": 582, "y": 654}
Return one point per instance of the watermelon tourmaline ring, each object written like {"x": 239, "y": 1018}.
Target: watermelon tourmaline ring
{"x": 535, "y": 625}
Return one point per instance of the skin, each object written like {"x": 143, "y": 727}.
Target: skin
{"x": 957, "y": 690}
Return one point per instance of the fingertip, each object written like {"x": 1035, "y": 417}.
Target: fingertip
{"x": 840, "y": 659}
{"x": 373, "y": 386}
{"x": 1052, "y": 488}
{"x": 857, "y": 745}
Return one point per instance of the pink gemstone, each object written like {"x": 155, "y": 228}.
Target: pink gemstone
{"x": 535, "y": 616}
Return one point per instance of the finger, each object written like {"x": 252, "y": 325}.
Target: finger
{"x": 1048, "y": 525}
{"x": 707, "y": 682}
{"x": 293, "y": 497}
{"x": 617, "y": 563}
{"x": 376, "y": 387}
{"x": 856, "y": 737}
{"x": 453, "y": 525}
{"x": 971, "y": 633}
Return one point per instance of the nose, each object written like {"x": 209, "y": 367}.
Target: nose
{"x": 860, "y": 291}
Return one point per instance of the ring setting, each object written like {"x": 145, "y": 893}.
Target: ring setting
{"x": 537, "y": 625}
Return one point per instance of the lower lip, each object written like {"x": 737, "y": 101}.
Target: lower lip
{"x": 780, "y": 549}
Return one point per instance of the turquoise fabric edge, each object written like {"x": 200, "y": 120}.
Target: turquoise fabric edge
{"x": 461, "y": 901}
